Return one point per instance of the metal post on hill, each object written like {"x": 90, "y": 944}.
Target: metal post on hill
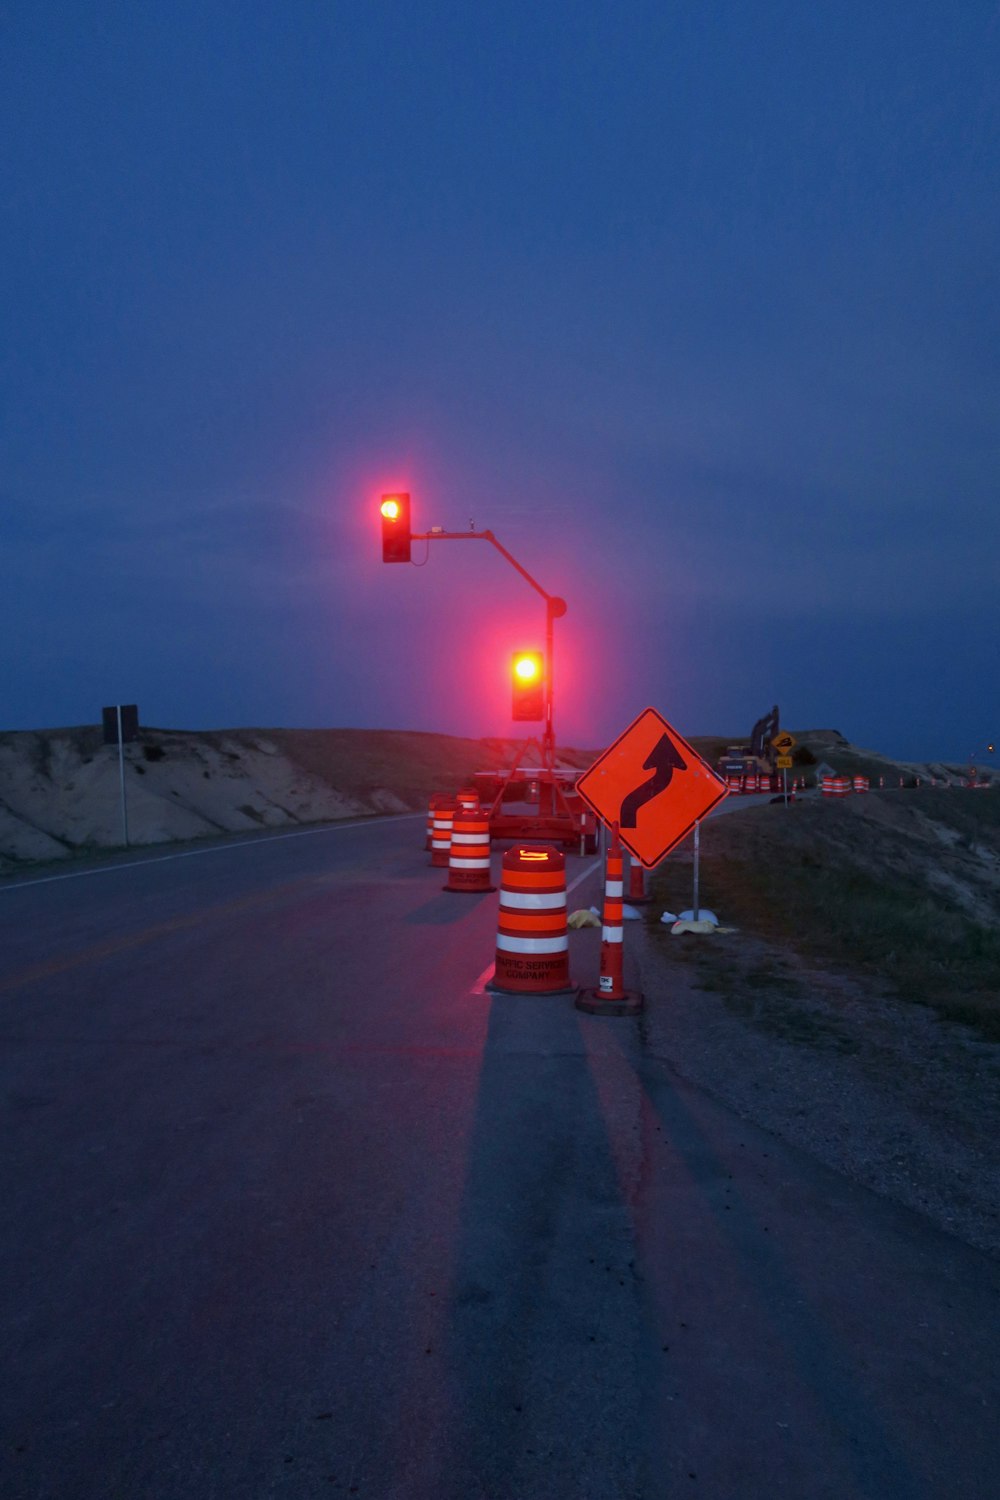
{"x": 121, "y": 723}
{"x": 121, "y": 775}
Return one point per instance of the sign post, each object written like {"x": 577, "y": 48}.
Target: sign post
{"x": 784, "y": 743}
{"x": 650, "y": 814}
{"x": 121, "y": 775}
{"x": 121, "y": 723}
{"x": 696, "y": 909}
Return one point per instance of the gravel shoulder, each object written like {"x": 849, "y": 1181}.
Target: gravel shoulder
{"x": 886, "y": 1092}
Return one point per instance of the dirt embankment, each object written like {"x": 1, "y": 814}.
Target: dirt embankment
{"x": 60, "y": 789}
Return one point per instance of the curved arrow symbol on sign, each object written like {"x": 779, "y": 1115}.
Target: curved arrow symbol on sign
{"x": 663, "y": 761}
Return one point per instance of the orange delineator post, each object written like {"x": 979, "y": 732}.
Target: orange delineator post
{"x": 611, "y": 998}
{"x": 611, "y": 983}
{"x": 532, "y": 936}
{"x": 469, "y": 857}
{"x": 637, "y": 884}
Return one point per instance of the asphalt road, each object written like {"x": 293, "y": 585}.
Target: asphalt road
{"x": 292, "y": 1207}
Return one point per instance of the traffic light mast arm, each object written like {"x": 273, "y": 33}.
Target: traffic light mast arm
{"x": 555, "y": 608}
{"x": 482, "y": 536}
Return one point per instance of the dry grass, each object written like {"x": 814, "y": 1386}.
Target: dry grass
{"x": 903, "y": 887}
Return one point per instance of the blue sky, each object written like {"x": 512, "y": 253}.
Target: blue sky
{"x": 696, "y": 305}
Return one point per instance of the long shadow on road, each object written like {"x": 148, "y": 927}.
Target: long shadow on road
{"x": 651, "y": 1298}
{"x": 543, "y": 1317}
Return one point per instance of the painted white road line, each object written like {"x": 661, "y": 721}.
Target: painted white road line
{"x": 595, "y": 865}
{"x": 479, "y": 988}
{"x": 162, "y": 859}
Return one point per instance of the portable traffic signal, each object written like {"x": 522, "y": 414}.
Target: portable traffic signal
{"x": 528, "y": 679}
{"x": 395, "y": 528}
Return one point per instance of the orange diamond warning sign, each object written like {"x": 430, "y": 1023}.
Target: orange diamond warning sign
{"x": 653, "y": 785}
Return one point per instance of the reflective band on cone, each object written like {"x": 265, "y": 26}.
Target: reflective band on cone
{"x": 861, "y": 783}
{"x": 611, "y": 998}
{"x": 469, "y": 859}
{"x": 468, "y": 799}
{"x": 532, "y": 937}
{"x": 444, "y": 817}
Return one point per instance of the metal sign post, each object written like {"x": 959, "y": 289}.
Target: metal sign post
{"x": 697, "y": 856}
{"x": 121, "y": 724}
{"x": 121, "y": 775}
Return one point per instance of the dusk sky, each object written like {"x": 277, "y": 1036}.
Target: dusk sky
{"x": 695, "y": 304}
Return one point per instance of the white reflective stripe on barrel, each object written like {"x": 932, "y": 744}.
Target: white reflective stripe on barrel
{"x": 614, "y": 887}
{"x": 444, "y": 822}
{"x": 612, "y": 934}
{"x": 547, "y": 901}
{"x": 468, "y": 838}
{"x": 532, "y": 945}
{"x": 469, "y": 864}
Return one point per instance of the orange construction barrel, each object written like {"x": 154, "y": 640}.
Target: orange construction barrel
{"x": 532, "y": 936}
{"x": 469, "y": 859}
{"x": 435, "y": 798}
{"x": 444, "y": 817}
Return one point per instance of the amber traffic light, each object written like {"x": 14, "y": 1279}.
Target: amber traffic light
{"x": 528, "y": 684}
{"x": 395, "y": 528}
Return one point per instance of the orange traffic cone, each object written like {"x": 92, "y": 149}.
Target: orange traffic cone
{"x": 637, "y": 884}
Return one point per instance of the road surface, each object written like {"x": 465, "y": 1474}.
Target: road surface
{"x": 292, "y": 1207}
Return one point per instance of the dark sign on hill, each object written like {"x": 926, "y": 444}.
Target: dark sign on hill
{"x": 130, "y": 723}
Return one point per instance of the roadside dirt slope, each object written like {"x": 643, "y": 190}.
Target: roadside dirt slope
{"x": 60, "y": 791}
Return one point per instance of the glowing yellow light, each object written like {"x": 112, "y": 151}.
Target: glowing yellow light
{"x": 526, "y": 668}
{"x": 390, "y": 509}
{"x": 533, "y": 854}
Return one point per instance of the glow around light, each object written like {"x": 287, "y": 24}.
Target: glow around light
{"x": 527, "y": 668}
{"x": 390, "y": 508}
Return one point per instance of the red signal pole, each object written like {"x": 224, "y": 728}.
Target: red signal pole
{"x": 555, "y": 608}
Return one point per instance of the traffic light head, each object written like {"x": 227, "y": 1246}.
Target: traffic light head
{"x": 528, "y": 680}
{"x": 395, "y": 528}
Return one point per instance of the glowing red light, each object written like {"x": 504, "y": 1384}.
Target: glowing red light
{"x": 527, "y": 668}
{"x": 390, "y": 508}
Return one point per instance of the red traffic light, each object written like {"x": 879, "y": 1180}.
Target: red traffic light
{"x": 395, "y": 511}
{"x": 528, "y": 682}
